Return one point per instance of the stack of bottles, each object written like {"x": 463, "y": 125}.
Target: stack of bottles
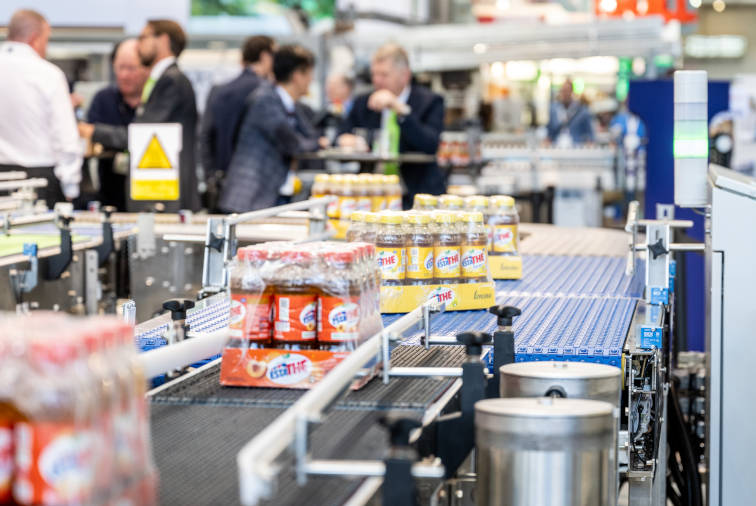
{"x": 319, "y": 296}
{"x": 499, "y": 216}
{"x": 424, "y": 247}
{"x": 74, "y": 425}
{"x": 456, "y": 150}
{"x": 358, "y": 192}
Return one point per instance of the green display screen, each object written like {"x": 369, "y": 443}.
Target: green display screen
{"x": 316, "y": 9}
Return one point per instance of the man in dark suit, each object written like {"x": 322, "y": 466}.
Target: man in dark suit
{"x": 167, "y": 97}
{"x": 225, "y": 109}
{"x": 418, "y": 112}
{"x": 274, "y": 130}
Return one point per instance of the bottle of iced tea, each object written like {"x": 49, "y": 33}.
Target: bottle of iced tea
{"x": 376, "y": 191}
{"x": 251, "y": 299}
{"x": 474, "y": 248}
{"x": 348, "y": 199}
{"x": 295, "y": 302}
{"x": 320, "y": 188}
{"x": 363, "y": 193}
{"x": 370, "y": 227}
{"x": 356, "y": 226}
{"x": 339, "y": 309}
{"x": 335, "y": 187}
{"x": 420, "y": 241}
{"x": 390, "y": 245}
{"x": 504, "y": 223}
{"x": 447, "y": 249}
{"x": 451, "y": 202}
{"x": 394, "y": 192}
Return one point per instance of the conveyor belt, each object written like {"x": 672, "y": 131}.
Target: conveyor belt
{"x": 551, "y": 240}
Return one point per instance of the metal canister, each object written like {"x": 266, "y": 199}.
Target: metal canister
{"x": 544, "y": 450}
{"x": 580, "y": 380}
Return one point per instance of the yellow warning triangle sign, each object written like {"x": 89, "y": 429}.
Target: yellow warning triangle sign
{"x": 154, "y": 156}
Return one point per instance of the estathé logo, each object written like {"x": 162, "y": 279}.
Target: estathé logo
{"x": 388, "y": 259}
{"x": 474, "y": 259}
{"x": 503, "y": 235}
{"x": 308, "y": 315}
{"x": 289, "y": 369}
{"x": 447, "y": 260}
{"x": 238, "y": 310}
{"x": 428, "y": 262}
{"x": 444, "y": 295}
{"x": 344, "y": 315}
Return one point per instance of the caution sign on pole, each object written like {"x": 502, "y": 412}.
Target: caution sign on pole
{"x": 154, "y": 160}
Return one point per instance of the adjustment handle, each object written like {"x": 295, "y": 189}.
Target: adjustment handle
{"x": 504, "y": 314}
{"x": 178, "y": 308}
{"x": 474, "y": 341}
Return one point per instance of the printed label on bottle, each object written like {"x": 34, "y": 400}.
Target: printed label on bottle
{"x": 364, "y": 204}
{"x": 489, "y": 244}
{"x": 379, "y": 203}
{"x": 55, "y": 464}
{"x": 504, "y": 238}
{"x": 250, "y": 315}
{"x": 394, "y": 203}
{"x": 338, "y": 318}
{"x": 296, "y": 317}
{"x": 391, "y": 262}
{"x": 347, "y": 206}
{"x": 419, "y": 262}
{"x": 332, "y": 209}
{"x": 447, "y": 261}
{"x": 6, "y": 461}
{"x": 474, "y": 262}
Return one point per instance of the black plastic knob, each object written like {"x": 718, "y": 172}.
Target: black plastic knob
{"x": 178, "y": 308}
{"x": 474, "y": 341}
{"x": 504, "y": 314}
{"x": 65, "y": 220}
{"x": 399, "y": 429}
{"x": 657, "y": 249}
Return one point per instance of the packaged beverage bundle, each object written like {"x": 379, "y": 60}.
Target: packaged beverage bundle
{"x": 420, "y": 241}
{"x": 356, "y": 226}
{"x": 504, "y": 223}
{"x": 325, "y": 303}
{"x": 451, "y": 202}
{"x": 447, "y": 250}
{"x": 390, "y": 243}
{"x": 73, "y": 403}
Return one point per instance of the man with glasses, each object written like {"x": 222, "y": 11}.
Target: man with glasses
{"x": 167, "y": 97}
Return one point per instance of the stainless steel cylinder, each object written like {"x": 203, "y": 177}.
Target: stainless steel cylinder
{"x": 579, "y": 380}
{"x": 544, "y": 451}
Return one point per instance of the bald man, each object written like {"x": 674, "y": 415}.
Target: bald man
{"x": 38, "y": 131}
{"x": 116, "y": 105}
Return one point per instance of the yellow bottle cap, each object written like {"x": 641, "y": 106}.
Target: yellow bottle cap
{"x": 473, "y": 217}
{"x": 418, "y": 218}
{"x": 503, "y": 201}
{"x": 451, "y": 201}
{"x": 476, "y": 201}
{"x": 391, "y": 217}
{"x": 357, "y": 216}
{"x": 322, "y": 178}
{"x": 393, "y": 179}
{"x": 444, "y": 217}
{"x": 337, "y": 179}
{"x": 370, "y": 217}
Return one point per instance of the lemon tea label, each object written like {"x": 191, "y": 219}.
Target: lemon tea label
{"x": 474, "y": 261}
{"x": 391, "y": 262}
{"x": 447, "y": 260}
{"x": 504, "y": 238}
{"x": 419, "y": 262}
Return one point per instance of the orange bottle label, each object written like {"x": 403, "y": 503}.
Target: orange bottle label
{"x": 295, "y": 317}
{"x": 55, "y": 463}
{"x": 338, "y": 318}
{"x": 6, "y": 461}
{"x": 419, "y": 262}
{"x": 250, "y": 316}
{"x": 474, "y": 261}
{"x": 447, "y": 261}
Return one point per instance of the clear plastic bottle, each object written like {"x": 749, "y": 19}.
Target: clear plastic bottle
{"x": 321, "y": 186}
{"x": 447, "y": 248}
{"x": 420, "y": 240}
{"x": 393, "y": 192}
{"x": 335, "y": 187}
{"x": 348, "y": 199}
{"x": 425, "y": 202}
{"x": 370, "y": 227}
{"x": 363, "y": 193}
{"x": 481, "y": 204}
{"x": 339, "y": 310}
{"x": 504, "y": 223}
{"x": 251, "y": 299}
{"x": 356, "y": 226}
{"x": 390, "y": 248}
{"x": 295, "y": 302}
{"x": 474, "y": 248}
{"x": 376, "y": 191}
{"x": 451, "y": 202}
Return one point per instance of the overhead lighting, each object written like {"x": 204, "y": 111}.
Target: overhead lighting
{"x": 695, "y": 3}
{"x": 608, "y": 5}
{"x": 480, "y": 48}
{"x": 719, "y": 5}
{"x": 521, "y": 70}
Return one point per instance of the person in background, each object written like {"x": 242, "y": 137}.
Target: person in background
{"x": 418, "y": 112}
{"x": 167, "y": 97}
{"x": 116, "y": 105}
{"x": 339, "y": 89}
{"x": 38, "y": 129}
{"x": 569, "y": 119}
{"x": 225, "y": 108}
{"x": 274, "y": 130}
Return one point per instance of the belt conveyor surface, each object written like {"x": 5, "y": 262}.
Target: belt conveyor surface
{"x": 539, "y": 239}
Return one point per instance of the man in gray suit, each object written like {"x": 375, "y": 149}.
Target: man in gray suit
{"x": 275, "y": 129}
{"x": 167, "y": 97}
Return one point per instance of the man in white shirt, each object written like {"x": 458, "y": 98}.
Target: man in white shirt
{"x": 38, "y": 131}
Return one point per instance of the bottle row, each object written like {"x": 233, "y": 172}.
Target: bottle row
{"x": 74, "y": 423}
{"x": 358, "y": 192}
{"x": 322, "y": 295}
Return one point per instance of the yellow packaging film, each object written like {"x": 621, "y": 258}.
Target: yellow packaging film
{"x": 447, "y": 260}
{"x": 419, "y": 262}
{"x": 505, "y": 267}
{"x": 504, "y": 238}
{"x": 474, "y": 262}
{"x": 391, "y": 262}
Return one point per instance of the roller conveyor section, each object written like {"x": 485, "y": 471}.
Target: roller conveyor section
{"x": 539, "y": 239}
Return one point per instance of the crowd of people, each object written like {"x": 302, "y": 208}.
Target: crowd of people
{"x": 250, "y": 135}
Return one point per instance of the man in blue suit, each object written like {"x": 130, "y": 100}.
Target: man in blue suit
{"x": 418, "y": 112}
{"x": 275, "y": 129}
{"x": 225, "y": 109}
